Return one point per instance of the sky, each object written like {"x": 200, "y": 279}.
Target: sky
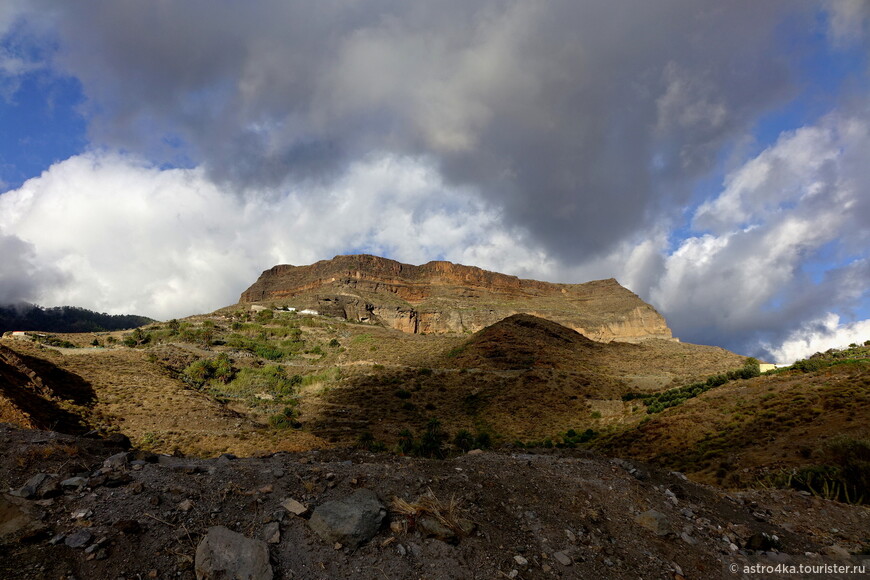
{"x": 155, "y": 157}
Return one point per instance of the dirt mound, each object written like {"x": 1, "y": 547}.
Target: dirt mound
{"x": 523, "y": 341}
{"x": 522, "y": 515}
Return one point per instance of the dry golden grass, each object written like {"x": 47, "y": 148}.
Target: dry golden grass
{"x": 449, "y": 514}
{"x": 730, "y": 434}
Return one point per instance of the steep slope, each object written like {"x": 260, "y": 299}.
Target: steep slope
{"x": 38, "y": 395}
{"x": 441, "y": 297}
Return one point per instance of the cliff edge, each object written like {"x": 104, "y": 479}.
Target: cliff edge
{"x": 442, "y": 297}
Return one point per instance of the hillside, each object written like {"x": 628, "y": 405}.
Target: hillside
{"x": 757, "y": 431}
{"x": 340, "y": 381}
{"x": 318, "y": 408}
{"x": 442, "y": 297}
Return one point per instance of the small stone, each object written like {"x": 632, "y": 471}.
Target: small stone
{"x": 513, "y": 573}
{"x": 82, "y": 514}
{"x": 432, "y": 527}
{"x": 836, "y": 552}
{"x": 152, "y": 574}
{"x": 278, "y": 473}
{"x": 294, "y": 507}
{"x": 272, "y": 533}
{"x": 654, "y": 521}
{"x": 416, "y": 550}
{"x": 546, "y": 568}
{"x": 337, "y": 546}
{"x": 688, "y": 539}
{"x": 78, "y": 539}
{"x": 571, "y": 537}
{"x": 223, "y": 553}
{"x": 41, "y": 485}
{"x": 562, "y": 558}
{"x": 521, "y": 561}
{"x": 57, "y": 539}
{"x": 74, "y": 483}
{"x": 117, "y": 461}
{"x": 353, "y": 520}
{"x": 401, "y": 550}
{"x": 475, "y": 452}
{"x": 185, "y": 505}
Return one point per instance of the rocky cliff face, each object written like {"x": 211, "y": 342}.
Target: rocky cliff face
{"x": 441, "y": 297}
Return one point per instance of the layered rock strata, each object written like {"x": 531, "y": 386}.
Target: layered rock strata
{"x": 442, "y": 297}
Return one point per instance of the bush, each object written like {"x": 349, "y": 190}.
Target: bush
{"x": 285, "y": 420}
{"x": 200, "y": 372}
{"x": 483, "y": 440}
{"x": 464, "y": 440}
{"x": 432, "y": 440}
{"x": 406, "y": 444}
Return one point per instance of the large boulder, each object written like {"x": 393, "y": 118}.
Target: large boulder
{"x": 226, "y": 555}
{"x": 351, "y": 521}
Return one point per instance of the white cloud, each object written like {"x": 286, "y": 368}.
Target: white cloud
{"x": 819, "y": 336}
{"x": 756, "y": 269}
{"x": 847, "y": 20}
{"x": 128, "y": 237}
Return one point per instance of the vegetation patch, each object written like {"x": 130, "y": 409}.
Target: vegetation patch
{"x": 842, "y": 472}
{"x": 658, "y": 402}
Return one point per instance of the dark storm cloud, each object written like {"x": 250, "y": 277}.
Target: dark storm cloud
{"x": 21, "y": 278}
{"x": 583, "y": 120}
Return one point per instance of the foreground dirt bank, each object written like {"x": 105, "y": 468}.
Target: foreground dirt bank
{"x": 95, "y": 510}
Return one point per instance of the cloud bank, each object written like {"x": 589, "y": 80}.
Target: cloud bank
{"x": 558, "y": 140}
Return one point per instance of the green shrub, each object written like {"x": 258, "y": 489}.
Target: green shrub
{"x": 219, "y": 369}
{"x": 464, "y": 440}
{"x": 285, "y": 420}
{"x": 432, "y": 440}
{"x": 483, "y": 440}
{"x": 406, "y": 444}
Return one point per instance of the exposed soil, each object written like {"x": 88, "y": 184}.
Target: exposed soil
{"x": 537, "y": 516}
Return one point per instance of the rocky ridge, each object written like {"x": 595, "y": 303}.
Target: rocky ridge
{"x": 442, "y": 297}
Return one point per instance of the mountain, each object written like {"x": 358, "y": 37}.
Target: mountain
{"x": 64, "y": 319}
{"x": 442, "y": 297}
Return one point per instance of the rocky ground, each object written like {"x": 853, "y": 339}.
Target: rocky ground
{"x": 88, "y": 508}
